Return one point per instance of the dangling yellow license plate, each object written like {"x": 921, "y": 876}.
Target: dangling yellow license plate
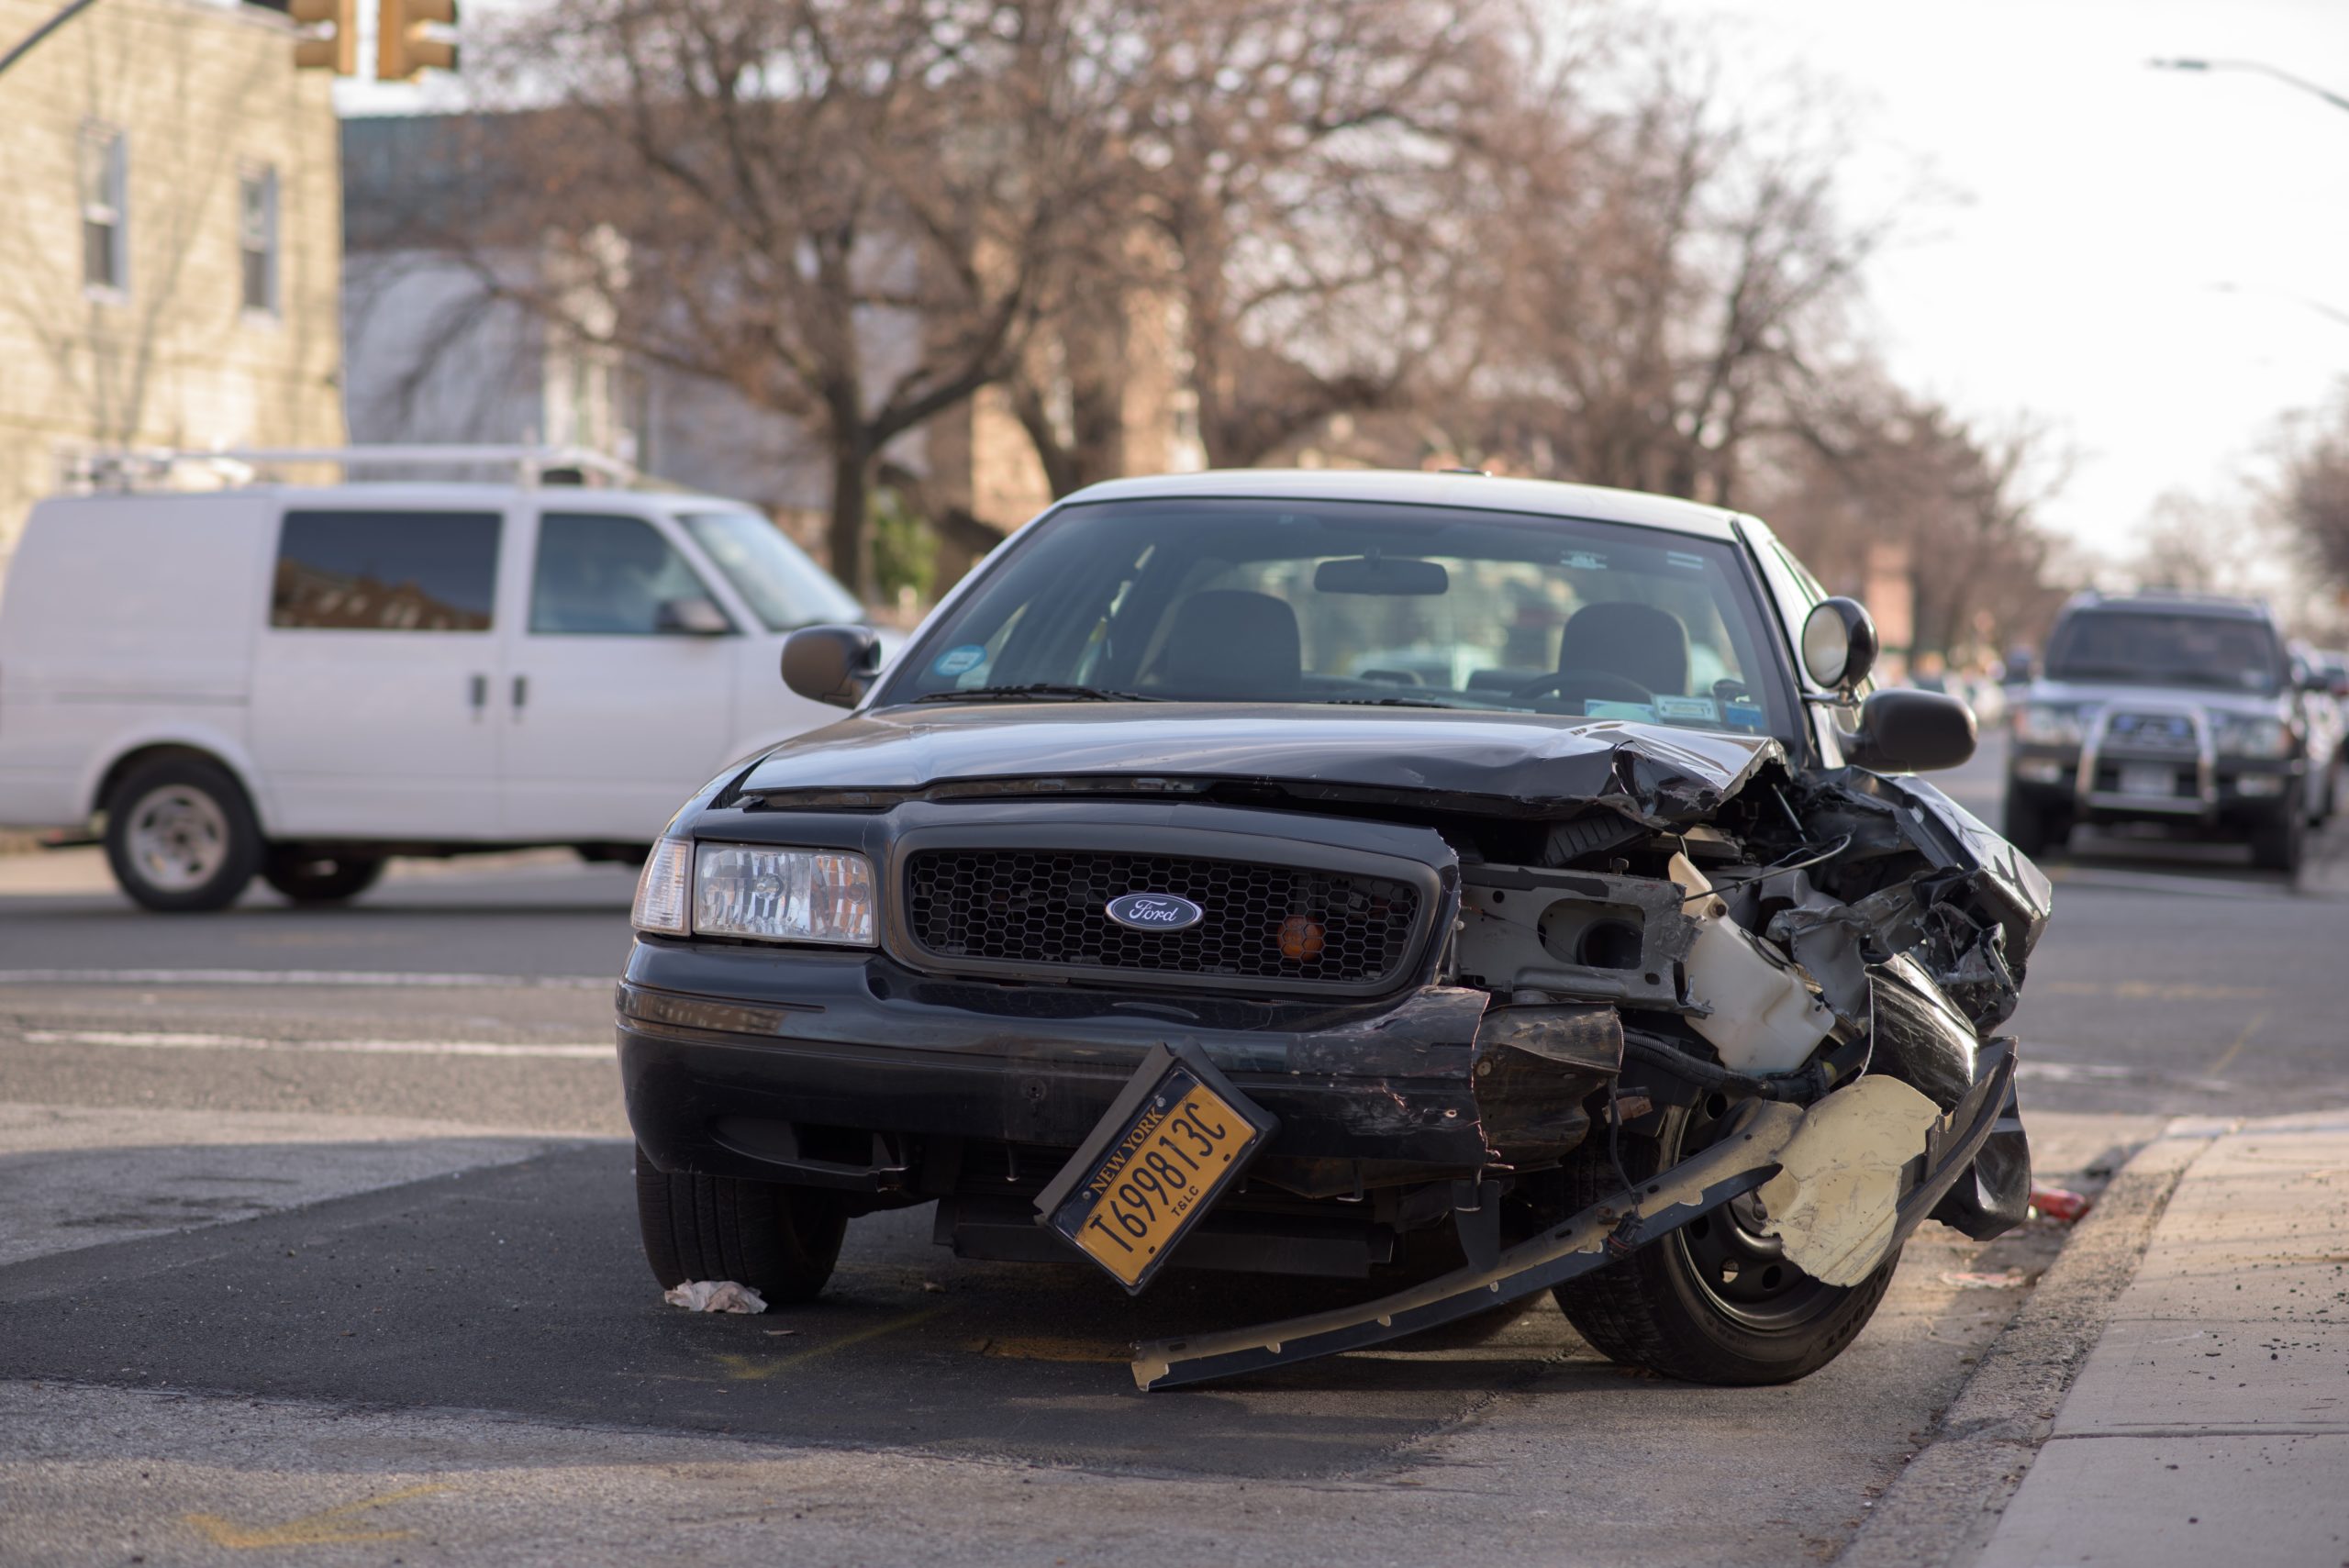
{"x": 1166, "y": 1163}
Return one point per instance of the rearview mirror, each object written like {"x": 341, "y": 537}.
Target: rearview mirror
{"x": 695, "y": 617}
{"x": 831, "y": 664}
{"x": 1904, "y": 731}
{"x": 1404, "y": 577}
{"x": 1839, "y": 644}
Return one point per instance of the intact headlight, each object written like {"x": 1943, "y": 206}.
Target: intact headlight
{"x": 2041, "y": 724}
{"x": 2244, "y": 735}
{"x": 783, "y": 895}
{"x": 664, "y": 890}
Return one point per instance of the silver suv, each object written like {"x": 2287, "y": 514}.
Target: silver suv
{"x": 2178, "y": 709}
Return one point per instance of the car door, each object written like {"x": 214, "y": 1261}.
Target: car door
{"x": 371, "y": 717}
{"x": 621, "y": 687}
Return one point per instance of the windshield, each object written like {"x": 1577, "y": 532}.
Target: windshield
{"x": 2154, "y": 648}
{"x": 784, "y": 587}
{"x": 1355, "y": 603}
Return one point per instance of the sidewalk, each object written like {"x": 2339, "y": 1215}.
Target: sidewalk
{"x": 2210, "y": 1423}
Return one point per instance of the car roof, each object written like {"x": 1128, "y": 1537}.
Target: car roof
{"x": 2219, "y": 607}
{"x": 1539, "y": 497}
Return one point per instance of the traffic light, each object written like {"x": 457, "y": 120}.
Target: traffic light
{"x": 334, "y": 47}
{"x": 403, "y": 44}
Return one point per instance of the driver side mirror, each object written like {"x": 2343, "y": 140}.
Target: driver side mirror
{"x": 1839, "y": 645}
{"x": 1904, "y": 731}
{"x": 694, "y": 616}
{"x": 831, "y": 664}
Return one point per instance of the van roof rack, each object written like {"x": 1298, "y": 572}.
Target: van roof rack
{"x": 134, "y": 468}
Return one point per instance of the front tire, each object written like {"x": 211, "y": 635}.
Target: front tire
{"x": 181, "y": 835}
{"x": 1714, "y": 1302}
{"x": 2033, "y": 827}
{"x": 319, "y": 879}
{"x": 2280, "y": 842}
{"x": 780, "y": 1240}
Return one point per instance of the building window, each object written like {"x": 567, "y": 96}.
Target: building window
{"x": 105, "y": 203}
{"x": 256, "y": 237}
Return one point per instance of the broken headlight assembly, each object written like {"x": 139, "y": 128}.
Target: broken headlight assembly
{"x": 751, "y": 892}
{"x": 2046, "y": 724}
{"x": 2248, "y": 735}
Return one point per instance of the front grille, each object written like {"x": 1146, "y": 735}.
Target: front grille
{"x": 2150, "y": 731}
{"x": 1046, "y": 908}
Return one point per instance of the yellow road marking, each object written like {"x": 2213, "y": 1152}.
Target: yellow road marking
{"x": 324, "y": 1527}
{"x": 758, "y": 1369}
{"x": 1045, "y": 1348}
{"x": 2153, "y": 991}
{"x": 2227, "y": 1057}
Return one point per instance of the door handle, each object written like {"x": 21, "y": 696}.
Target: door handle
{"x": 479, "y": 687}
{"x": 521, "y": 692}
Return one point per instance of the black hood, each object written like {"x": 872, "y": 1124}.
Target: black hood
{"x": 1509, "y": 762}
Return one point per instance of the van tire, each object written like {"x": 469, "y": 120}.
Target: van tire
{"x": 181, "y": 835}
{"x": 318, "y": 879}
{"x": 779, "y": 1240}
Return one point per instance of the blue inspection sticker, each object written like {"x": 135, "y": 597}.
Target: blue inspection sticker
{"x": 959, "y": 660}
{"x": 1741, "y": 714}
{"x": 1687, "y": 710}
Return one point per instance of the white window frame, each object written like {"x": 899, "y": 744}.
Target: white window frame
{"x": 111, "y": 207}
{"x": 271, "y": 246}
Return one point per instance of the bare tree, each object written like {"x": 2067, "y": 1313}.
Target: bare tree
{"x": 2311, "y": 494}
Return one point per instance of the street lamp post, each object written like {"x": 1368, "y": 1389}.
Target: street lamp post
{"x": 2302, "y": 83}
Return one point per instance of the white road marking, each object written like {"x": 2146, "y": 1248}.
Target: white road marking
{"x": 168, "y": 1040}
{"x": 301, "y": 977}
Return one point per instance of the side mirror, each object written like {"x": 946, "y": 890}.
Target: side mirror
{"x": 1904, "y": 731}
{"x": 1839, "y": 644}
{"x": 695, "y": 617}
{"x": 831, "y": 663}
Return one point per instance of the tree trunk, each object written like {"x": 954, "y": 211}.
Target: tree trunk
{"x": 851, "y": 489}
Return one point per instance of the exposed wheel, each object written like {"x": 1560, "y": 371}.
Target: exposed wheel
{"x": 181, "y": 835}
{"x": 780, "y": 1240}
{"x": 1715, "y": 1301}
{"x": 2031, "y": 827}
{"x": 319, "y": 879}
{"x": 2280, "y": 841}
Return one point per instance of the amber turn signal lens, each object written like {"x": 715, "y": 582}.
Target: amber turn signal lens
{"x": 1301, "y": 939}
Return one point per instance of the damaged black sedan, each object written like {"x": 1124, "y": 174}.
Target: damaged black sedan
{"x": 1482, "y": 885}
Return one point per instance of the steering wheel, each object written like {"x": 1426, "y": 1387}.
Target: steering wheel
{"x": 1582, "y": 685}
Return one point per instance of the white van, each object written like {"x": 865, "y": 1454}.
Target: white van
{"x": 300, "y": 682}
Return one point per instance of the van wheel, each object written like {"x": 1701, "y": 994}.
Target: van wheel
{"x": 181, "y": 835}
{"x": 780, "y": 1240}
{"x": 319, "y": 879}
{"x": 1715, "y": 1301}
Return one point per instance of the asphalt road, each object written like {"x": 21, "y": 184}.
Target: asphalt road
{"x": 315, "y": 1238}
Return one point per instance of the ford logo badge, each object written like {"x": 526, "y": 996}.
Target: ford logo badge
{"x": 1155, "y": 912}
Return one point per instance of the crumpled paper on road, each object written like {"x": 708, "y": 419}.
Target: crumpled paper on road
{"x": 715, "y": 1295}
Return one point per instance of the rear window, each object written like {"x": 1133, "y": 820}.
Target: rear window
{"x": 385, "y": 571}
{"x": 2167, "y": 648}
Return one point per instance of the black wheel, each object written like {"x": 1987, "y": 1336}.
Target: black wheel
{"x": 181, "y": 835}
{"x": 780, "y": 1240}
{"x": 319, "y": 879}
{"x": 2280, "y": 841}
{"x": 2033, "y": 827}
{"x": 1715, "y": 1301}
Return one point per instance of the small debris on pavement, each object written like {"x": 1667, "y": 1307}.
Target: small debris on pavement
{"x": 2013, "y": 1279}
{"x": 2060, "y": 1204}
{"x": 715, "y": 1295}
{"x": 931, "y": 1287}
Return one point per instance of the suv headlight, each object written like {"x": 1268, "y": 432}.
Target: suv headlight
{"x": 2042, "y": 724}
{"x": 742, "y": 890}
{"x": 2244, "y": 735}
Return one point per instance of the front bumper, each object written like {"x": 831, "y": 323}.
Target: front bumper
{"x": 2223, "y": 789}
{"x": 848, "y": 1071}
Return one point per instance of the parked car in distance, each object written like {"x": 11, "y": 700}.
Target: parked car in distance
{"x": 2175, "y": 709}
{"x": 1218, "y": 881}
{"x": 298, "y": 681}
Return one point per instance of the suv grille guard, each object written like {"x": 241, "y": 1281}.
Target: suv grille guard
{"x": 2205, "y": 757}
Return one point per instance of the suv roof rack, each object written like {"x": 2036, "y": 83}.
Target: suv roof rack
{"x": 2093, "y": 598}
{"x": 127, "y": 468}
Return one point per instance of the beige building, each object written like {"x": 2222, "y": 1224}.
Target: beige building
{"x": 170, "y": 238}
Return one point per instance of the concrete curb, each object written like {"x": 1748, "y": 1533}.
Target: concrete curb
{"x": 1944, "y": 1506}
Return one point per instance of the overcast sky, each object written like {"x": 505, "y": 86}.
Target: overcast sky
{"x": 2128, "y": 251}
{"x": 2133, "y": 246}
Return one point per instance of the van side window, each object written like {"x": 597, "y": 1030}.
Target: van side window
{"x": 608, "y": 576}
{"x": 386, "y": 570}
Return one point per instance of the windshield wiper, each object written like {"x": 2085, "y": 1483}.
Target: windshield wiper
{"x": 1036, "y": 689}
{"x": 1396, "y": 702}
